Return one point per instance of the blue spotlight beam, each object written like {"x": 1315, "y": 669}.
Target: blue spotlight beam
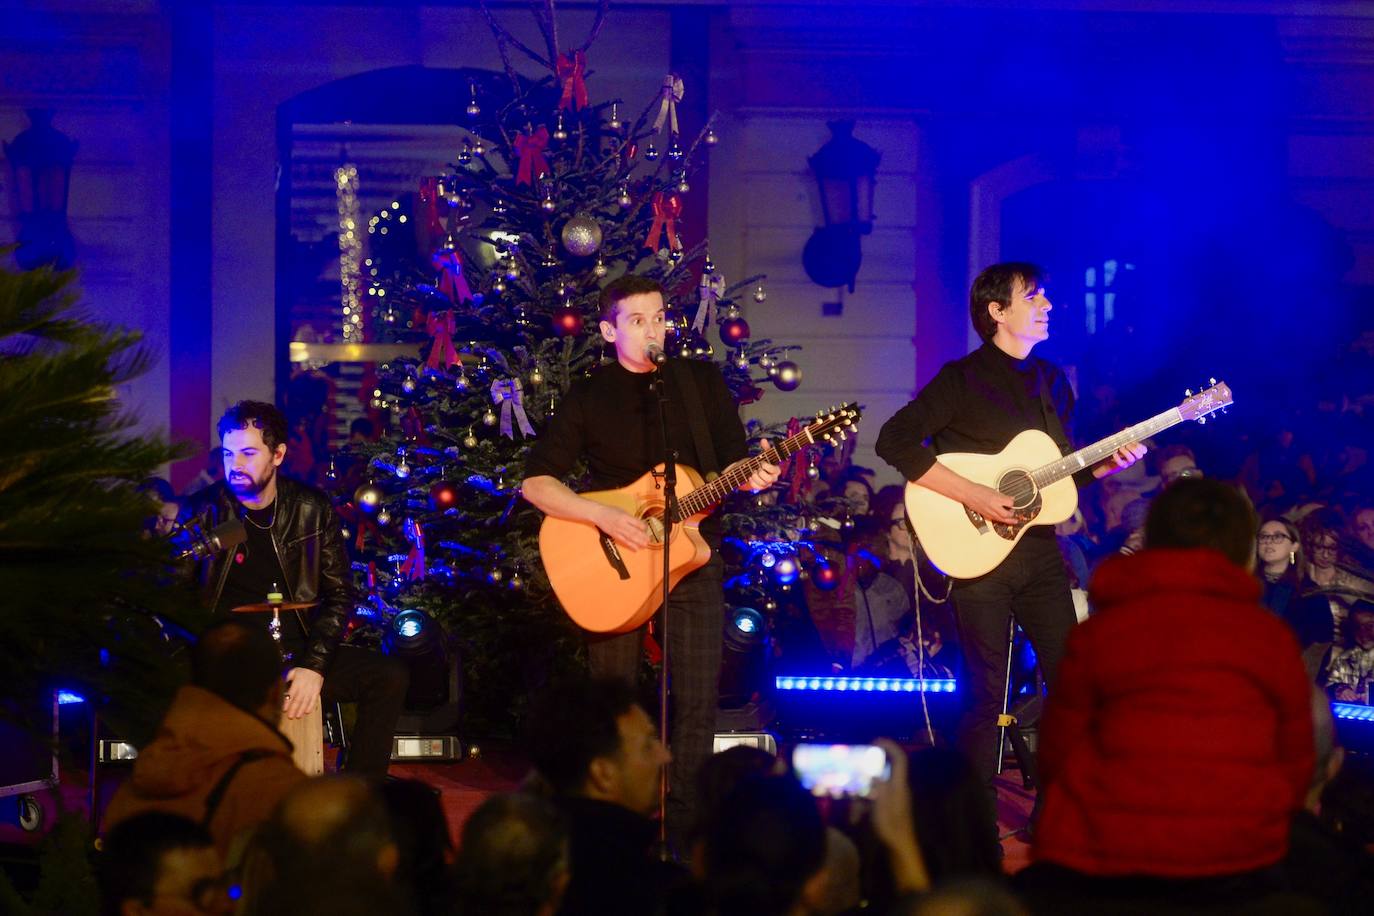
{"x": 866, "y": 684}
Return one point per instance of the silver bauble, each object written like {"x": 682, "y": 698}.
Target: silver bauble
{"x": 581, "y": 236}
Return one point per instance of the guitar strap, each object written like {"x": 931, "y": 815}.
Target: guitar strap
{"x": 1053, "y": 425}
{"x": 681, "y": 378}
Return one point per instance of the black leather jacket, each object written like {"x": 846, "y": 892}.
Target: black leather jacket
{"x": 310, "y": 547}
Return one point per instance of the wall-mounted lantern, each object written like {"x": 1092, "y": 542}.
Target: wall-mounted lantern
{"x": 40, "y": 160}
{"x": 844, "y": 168}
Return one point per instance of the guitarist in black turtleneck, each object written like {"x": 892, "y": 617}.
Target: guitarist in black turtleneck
{"x": 979, "y": 404}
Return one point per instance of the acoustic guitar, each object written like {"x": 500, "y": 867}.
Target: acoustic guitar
{"x": 965, "y": 545}
{"x": 608, "y": 588}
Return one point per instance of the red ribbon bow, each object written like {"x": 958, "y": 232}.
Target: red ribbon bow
{"x": 451, "y": 281}
{"x": 571, "y": 70}
{"x": 667, "y": 209}
{"x": 414, "y": 566}
{"x": 441, "y": 326}
{"x": 531, "y": 148}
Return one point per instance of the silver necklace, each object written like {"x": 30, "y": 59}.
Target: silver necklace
{"x": 247, "y": 516}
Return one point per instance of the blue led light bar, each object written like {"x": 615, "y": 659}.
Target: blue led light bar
{"x": 1353, "y": 711}
{"x": 866, "y": 684}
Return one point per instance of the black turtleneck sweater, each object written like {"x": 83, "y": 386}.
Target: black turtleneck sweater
{"x": 978, "y": 404}
{"x": 611, "y": 420}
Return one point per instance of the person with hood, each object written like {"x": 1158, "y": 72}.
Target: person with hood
{"x": 217, "y": 757}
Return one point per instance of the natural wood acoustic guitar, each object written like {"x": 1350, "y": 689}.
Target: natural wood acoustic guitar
{"x": 963, "y": 544}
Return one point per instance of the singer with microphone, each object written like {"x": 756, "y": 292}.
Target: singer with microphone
{"x": 612, "y": 420}
{"x": 264, "y": 534}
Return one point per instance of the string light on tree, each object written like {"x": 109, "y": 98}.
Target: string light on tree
{"x": 350, "y": 249}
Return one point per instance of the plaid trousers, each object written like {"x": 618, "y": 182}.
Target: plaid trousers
{"x": 696, "y": 618}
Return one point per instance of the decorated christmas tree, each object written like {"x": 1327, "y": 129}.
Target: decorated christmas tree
{"x": 552, "y": 194}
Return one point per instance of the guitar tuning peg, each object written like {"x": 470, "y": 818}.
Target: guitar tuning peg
{"x": 1211, "y": 381}
{"x": 1202, "y": 421}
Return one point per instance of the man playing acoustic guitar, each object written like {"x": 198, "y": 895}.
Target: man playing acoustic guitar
{"x": 979, "y": 404}
{"x": 612, "y": 420}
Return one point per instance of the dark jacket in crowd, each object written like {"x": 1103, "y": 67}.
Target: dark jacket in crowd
{"x": 306, "y": 534}
{"x": 1177, "y": 741}
{"x": 615, "y": 869}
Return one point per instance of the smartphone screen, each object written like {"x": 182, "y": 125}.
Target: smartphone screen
{"x": 840, "y": 770}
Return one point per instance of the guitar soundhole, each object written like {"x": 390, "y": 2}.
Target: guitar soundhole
{"x": 1026, "y": 503}
{"x": 654, "y": 516}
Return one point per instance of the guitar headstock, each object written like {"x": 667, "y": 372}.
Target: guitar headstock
{"x": 1205, "y": 403}
{"x": 835, "y": 425}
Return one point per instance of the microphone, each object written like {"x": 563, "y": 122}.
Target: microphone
{"x": 654, "y": 353}
{"x": 224, "y": 536}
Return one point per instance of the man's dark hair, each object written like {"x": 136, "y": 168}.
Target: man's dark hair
{"x": 1169, "y": 453}
{"x": 131, "y": 860}
{"x": 1198, "y": 512}
{"x": 513, "y": 848}
{"x": 623, "y": 288}
{"x": 572, "y": 725}
{"x": 362, "y": 426}
{"x": 996, "y": 284}
{"x": 236, "y": 662}
{"x": 260, "y": 414}
{"x": 1322, "y": 523}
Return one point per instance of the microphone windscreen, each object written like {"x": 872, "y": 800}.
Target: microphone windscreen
{"x": 229, "y": 535}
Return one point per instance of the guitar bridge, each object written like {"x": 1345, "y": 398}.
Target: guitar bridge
{"x": 613, "y": 556}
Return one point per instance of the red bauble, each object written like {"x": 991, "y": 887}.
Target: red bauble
{"x": 734, "y": 331}
{"x": 826, "y": 577}
{"x": 443, "y": 495}
{"x": 567, "y": 321}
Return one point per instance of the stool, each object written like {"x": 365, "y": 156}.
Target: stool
{"x": 306, "y": 735}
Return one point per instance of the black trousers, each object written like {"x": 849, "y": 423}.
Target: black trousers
{"x": 1030, "y": 584}
{"x": 696, "y": 618}
{"x": 377, "y": 684}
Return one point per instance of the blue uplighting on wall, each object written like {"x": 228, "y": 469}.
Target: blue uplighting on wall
{"x": 866, "y": 684}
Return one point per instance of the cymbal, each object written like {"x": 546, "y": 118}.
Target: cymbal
{"x": 278, "y": 606}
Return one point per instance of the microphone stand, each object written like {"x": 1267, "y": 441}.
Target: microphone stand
{"x": 669, "y": 510}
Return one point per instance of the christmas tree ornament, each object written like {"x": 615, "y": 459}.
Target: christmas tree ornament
{"x": 734, "y": 331}
{"x": 848, "y": 523}
{"x": 669, "y": 95}
{"x": 383, "y": 517}
{"x": 443, "y": 495}
{"x": 499, "y": 206}
{"x": 710, "y": 139}
{"x": 332, "y": 473}
{"x": 495, "y": 575}
{"x": 489, "y": 418}
{"x": 682, "y": 186}
{"x": 710, "y": 288}
{"x": 548, "y": 204}
{"x": 742, "y": 361}
{"x": 461, "y": 382}
{"x": 581, "y": 236}
{"x": 559, "y": 131}
{"x": 674, "y": 150}
{"x": 536, "y": 376}
{"x": 571, "y": 70}
{"x": 408, "y": 386}
{"x": 599, "y": 268}
{"x": 766, "y": 362}
{"x": 567, "y": 320}
{"x": 826, "y": 578}
{"x": 470, "y": 440}
{"x": 368, "y": 497}
{"x": 623, "y": 199}
{"x": 770, "y": 605}
{"x": 516, "y": 583}
{"x": 498, "y": 285}
{"x": 512, "y": 270}
{"x": 509, "y": 395}
{"x": 708, "y": 266}
{"x": 464, "y": 157}
{"x": 650, "y": 152}
{"x": 473, "y": 109}
{"x": 787, "y": 375}
{"x": 667, "y": 210}
{"x": 760, "y": 294}
{"x": 549, "y": 260}
{"x": 615, "y": 123}
{"x": 530, "y": 148}
{"x": 402, "y": 469}
{"x": 479, "y": 147}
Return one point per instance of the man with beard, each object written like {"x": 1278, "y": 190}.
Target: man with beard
{"x": 295, "y": 549}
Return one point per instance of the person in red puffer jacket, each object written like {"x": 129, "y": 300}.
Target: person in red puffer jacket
{"x": 1178, "y": 743}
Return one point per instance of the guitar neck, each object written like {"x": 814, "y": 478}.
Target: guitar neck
{"x": 1089, "y": 455}
{"x": 704, "y": 498}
